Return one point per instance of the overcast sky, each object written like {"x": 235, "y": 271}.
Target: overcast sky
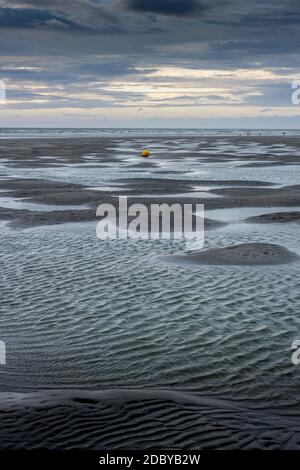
{"x": 150, "y": 63}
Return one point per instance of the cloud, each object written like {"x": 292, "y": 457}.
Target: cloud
{"x": 125, "y": 54}
{"x": 30, "y": 18}
{"x": 166, "y": 7}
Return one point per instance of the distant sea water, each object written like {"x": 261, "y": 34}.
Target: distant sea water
{"x": 28, "y": 132}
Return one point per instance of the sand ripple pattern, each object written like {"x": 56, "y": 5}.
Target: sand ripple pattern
{"x": 80, "y": 312}
{"x": 140, "y": 420}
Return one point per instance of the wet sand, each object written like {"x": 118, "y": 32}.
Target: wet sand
{"x": 95, "y": 152}
{"x": 247, "y": 254}
{"x": 276, "y": 217}
{"x": 140, "y": 419}
{"x": 145, "y": 419}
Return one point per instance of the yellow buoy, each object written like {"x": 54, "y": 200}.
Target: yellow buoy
{"x": 146, "y": 153}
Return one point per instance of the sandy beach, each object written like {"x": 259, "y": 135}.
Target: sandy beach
{"x": 46, "y": 153}
{"x": 149, "y": 233}
{"x": 139, "y": 333}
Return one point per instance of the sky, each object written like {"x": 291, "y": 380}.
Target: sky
{"x": 149, "y": 63}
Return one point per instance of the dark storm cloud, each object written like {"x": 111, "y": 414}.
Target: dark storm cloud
{"x": 166, "y": 7}
{"x": 76, "y": 15}
{"x": 228, "y": 32}
{"x": 114, "y": 16}
{"x": 74, "y": 44}
{"x": 29, "y": 18}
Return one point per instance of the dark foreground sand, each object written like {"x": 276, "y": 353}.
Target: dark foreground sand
{"x": 246, "y": 254}
{"x": 140, "y": 419}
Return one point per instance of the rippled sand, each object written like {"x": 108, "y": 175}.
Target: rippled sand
{"x": 80, "y": 313}
{"x": 148, "y": 419}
